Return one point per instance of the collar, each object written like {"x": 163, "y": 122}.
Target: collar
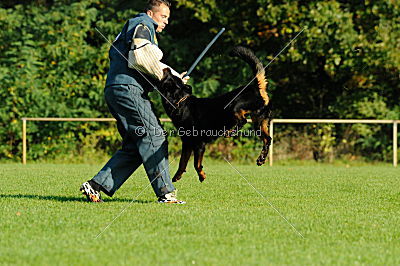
{"x": 147, "y": 17}
{"x": 182, "y": 100}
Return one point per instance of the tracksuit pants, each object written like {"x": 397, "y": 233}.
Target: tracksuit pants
{"x": 143, "y": 142}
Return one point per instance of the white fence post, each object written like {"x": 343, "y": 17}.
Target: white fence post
{"x": 23, "y": 140}
{"x": 271, "y": 148}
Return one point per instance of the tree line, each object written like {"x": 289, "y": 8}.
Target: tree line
{"x": 344, "y": 64}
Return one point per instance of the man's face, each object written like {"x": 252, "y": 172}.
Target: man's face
{"x": 160, "y": 14}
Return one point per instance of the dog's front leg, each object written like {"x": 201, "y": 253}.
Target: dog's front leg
{"x": 185, "y": 156}
{"x": 198, "y": 160}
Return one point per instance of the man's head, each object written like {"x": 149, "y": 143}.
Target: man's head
{"x": 158, "y": 10}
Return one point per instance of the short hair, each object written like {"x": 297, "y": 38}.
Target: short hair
{"x": 151, "y": 4}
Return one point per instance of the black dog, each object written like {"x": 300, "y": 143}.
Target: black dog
{"x": 209, "y": 114}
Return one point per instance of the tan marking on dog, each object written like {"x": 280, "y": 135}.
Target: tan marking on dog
{"x": 241, "y": 114}
{"x": 202, "y": 176}
{"x": 262, "y": 85}
{"x": 264, "y": 130}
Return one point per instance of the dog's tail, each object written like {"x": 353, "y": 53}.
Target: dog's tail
{"x": 249, "y": 57}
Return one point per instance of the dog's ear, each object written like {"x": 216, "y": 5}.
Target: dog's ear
{"x": 166, "y": 72}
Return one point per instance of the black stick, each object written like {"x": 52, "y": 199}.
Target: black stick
{"x": 204, "y": 52}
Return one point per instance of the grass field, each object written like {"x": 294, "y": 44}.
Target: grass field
{"x": 347, "y": 215}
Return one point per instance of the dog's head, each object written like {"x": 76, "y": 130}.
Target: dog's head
{"x": 173, "y": 84}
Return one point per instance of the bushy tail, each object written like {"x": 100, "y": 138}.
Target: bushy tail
{"x": 249, "y": 57}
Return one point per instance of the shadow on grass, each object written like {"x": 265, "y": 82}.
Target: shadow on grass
{"x": 66, "y": 199}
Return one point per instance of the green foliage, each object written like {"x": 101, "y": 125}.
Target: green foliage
{"x": 323, "y": 142}
{"x": 54, "y": 65}
{"x": 345, "y": 64}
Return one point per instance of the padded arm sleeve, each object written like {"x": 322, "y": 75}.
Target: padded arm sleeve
{"x": 147, "y": 56}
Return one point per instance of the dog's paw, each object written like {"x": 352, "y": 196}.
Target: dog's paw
{"x": 178, "y": 175}
{"x": 202, "y": 176}
{"x": 176, "y": 178}
{"x": 260, "y": 160}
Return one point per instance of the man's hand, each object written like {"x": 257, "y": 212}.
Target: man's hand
{"x": 184, "y": 79}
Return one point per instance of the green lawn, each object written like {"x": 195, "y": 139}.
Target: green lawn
{"x": 347, "y": 215}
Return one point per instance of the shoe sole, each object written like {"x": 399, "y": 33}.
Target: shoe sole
{"x": 173, "y": 202}
{"x": 90, "y": 196}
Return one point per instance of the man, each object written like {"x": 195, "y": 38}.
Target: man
{"x": 126, "y": 96}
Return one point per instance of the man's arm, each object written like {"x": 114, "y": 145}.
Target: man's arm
{"x": 151, "y": 55}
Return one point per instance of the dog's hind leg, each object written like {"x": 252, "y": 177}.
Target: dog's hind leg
{"x": 262, "y": 124}
{"x": 185, "y": 156}
{"x": 267, "y": 142}
{"x": 198, "y": 160}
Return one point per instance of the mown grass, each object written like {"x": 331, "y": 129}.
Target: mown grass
{"x": 347, "y": 215}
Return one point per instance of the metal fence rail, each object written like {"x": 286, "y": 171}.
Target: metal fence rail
{"x": 335, "y": 121}
{"x": 271, "y": 128}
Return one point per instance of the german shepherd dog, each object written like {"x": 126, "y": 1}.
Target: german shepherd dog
{"x": 190, "y": 113}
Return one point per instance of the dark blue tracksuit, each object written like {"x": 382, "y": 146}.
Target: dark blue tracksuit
{"x": 143, "y": 139}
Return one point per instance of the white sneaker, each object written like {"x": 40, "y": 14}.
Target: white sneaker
{"x": 170, "y": 198}
{"x": 91, "y": 194}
